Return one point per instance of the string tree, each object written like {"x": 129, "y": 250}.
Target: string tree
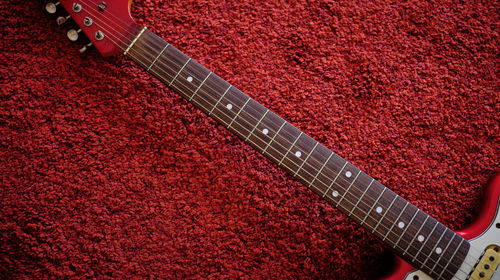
{"x": 102, "y": 6}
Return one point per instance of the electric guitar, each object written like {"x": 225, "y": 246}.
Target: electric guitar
{"x": 426, "y": 249}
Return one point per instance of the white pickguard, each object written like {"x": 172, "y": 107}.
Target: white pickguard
{"x": 478, "y": 245}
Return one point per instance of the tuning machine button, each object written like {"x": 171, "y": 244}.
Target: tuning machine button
{"x": 85, "y": 47}
{"x": 51, "y": 7}
{"x": 73, "y": 34}
{"x": 61, "y": 20}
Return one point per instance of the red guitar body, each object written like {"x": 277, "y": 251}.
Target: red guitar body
{"x": 484, "y": 222}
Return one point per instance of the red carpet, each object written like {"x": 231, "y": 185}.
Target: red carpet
{"x": 106, "y": 173}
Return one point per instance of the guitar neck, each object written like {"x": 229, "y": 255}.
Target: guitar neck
{"x": 413, "y": 234}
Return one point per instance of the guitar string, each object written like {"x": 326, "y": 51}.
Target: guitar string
{"x": 205, "y": 108}
{"x": 179, "y": 89}
{"x": 254, "y": 143}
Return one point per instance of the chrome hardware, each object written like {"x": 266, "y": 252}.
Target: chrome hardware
{"x": 73, "y": 34}
{"x": 77, "y": 7}
{"x": 51, "y": 8}
{"x": 99, "y": 35}
{"x": 85, "y": 48}
{"x": 102, "y": 6}
{"x": 87, "y": 21}
{"x": 61, "y": 20}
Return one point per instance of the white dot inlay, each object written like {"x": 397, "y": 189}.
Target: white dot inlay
{"x": 265, "y": 131}
{"x": 401, "y": 225}
{"x": 348, "y": 174}
{"x": 420, "y": 238}
{"x": 439, "y": 250}
{"x": 298, "y": 153}
{"x": 379, "y": 209}
{"x": 229, "y": 106}
{"x": 189, "y": 79}
{"x": 335, "y": 193}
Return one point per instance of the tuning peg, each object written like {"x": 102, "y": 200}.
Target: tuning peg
{"x": 51, "y": 7}
{"x": 61, "y": 20}
{"x": 73, "y": 34}
{"x": 85, "y": 47}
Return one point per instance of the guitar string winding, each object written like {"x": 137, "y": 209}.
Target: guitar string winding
{"x": 123, "y": 47}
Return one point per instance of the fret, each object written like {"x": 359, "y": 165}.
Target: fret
{"x": 198, "y": 88}
{"x": 303, "y": 162}
{"x": 348, "y": 188}
{"x": 158, "y": 56}
{"x": 289, "y": 149}
{"x": 443, "y": 270}
{"x": 135, "y": 40}
{"x": 385, "y": 213}
{"x": 182, "y": 68}
{"x": 267, "y": 125}
{"x": 397, "y": 219}
{"x": 443, "y": 253}
{"x": 425, "y": 242}
{"x": 416, "y": 235}
{"x": 321, "y": 169}
{"x": 274, "y": 137}
{"x": 373, "y": 206}
{"x": 253, "y": 129}
{"x": 168, "y": 64}
{"x": 361, "y": 197}
{"x": 237, "y": 114}
{"x": 218, "y": 101}
{"x": 208, "y": 90}
{"x": 435, "y": 246}
{"x": 406, "y": 228}
{"x": 334, "y": 179}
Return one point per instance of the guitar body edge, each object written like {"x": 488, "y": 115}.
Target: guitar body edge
{"x": 483, "y": 223}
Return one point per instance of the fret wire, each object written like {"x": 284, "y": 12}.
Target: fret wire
{"x": 197, "y": 89}
{"x": 289, "y": 149}
{"x": 365, "y": 217}
{"x": 393, "y": 224}
{"x": 423, "y": 245}
{"x": 451, "y": 258}
{"x": 435, "y": 245}
{"x": 158, "y": 56}
{"x": 218, "y": 101}
{"x": 335, "y": 179}
{"x": 348, "y": 188}
{"x": 443, "y": 252}
{"x": 274, "y": 136}
{"x": 373, "y": 206}
{"x": 253, "y": 129}
{"x": 300, "y": 167}
{"x": 416, "y": 234}
{"x": 321, "y": 169}
{"x": 361, "y": 197}
{"x": 385, "y": 213}
{"x": 179, "y": 72}
{"x": 406, "y": 228}
{"x": 241, "y": 109}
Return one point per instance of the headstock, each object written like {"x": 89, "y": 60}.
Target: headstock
{"x": 108, "y": 24}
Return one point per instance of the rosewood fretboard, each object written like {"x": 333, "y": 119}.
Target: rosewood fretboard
{"x": 414, "y": 235}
